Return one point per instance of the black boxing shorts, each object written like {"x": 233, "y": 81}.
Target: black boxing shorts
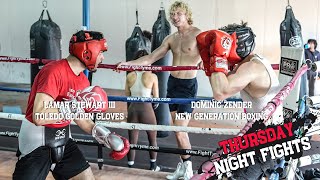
{"x": 181, "y": 88}
{"x": 37, "y": 164}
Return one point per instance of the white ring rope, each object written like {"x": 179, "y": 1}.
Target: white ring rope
{"x": 303, "y": 161}
{"x": 150, "y": 127}
{"x": 19, "y": 117}
{"x": 138, "y": 126}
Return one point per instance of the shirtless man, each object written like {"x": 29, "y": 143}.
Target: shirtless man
{"x": 181, "y": 84}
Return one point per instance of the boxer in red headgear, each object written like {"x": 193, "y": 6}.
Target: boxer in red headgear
{"x": 62, "y": 93}
{"x": 253, "y": 77}
{"x": 86, "y": 46}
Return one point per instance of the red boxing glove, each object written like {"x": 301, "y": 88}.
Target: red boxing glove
{"x": 118, "y": 155}
{"x": 234, "y": 58}
{"x": 220, "y": 46}
{"x": 204, "y": 50}
{"x": 120, "y": 146}
{"x": 93, "y": 99}
{"x": 201, "y": 43}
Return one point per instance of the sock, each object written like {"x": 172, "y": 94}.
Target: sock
{"x": 130, "y": 163}
{"x": 153, "y": 164}
{"x": 188, "y": 159}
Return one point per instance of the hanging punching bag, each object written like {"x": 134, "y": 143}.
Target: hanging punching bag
{"x": 291, "y": 60}
{"x": 161, "y": 28}
{"x": 136, "y": 42}
{"x": 45, "y": 42}
{"x": 290, "y": 30}
{"x": 290, "y": 33}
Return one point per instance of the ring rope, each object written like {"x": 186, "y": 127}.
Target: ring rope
{"x": 89, "y": 141}
{"x": 149, "y": 127}
{"x": 2, "y": 88}
{"x": 80, "y": 139}
{"x": 139, "y": 99}
{"x": 149, "y": 68}
{"x": 193, "y": 152}
{"x": 303, "y": 161}
{"x": 110, "y": 66}
{"x": 138, "y": 126}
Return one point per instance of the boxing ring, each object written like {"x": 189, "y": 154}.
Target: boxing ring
{"x": 90, "y": 141}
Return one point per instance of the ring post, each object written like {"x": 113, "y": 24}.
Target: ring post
{"x": 86, "y": 26}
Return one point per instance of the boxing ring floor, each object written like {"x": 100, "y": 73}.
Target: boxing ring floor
{"x": 8, "y": 160}
{"x": 118, "y": 169}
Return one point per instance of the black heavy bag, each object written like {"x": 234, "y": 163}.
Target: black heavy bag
{"x": 45, "y": 42}
{"x": 161, "y": 28}
{"x": 135, "y": 43}
{"x": 290, "y": 30}
{"x": 290, "y": 33}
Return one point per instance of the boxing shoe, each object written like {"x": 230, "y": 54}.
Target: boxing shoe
{"x": 154, "y": 166}
{"x": 156, "y": 169}
{"x": 183, "y": 171}
{"x": 188, "y": 170}
{"x": 179, "y": 173}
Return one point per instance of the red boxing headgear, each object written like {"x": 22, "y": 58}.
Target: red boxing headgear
{"x": 86, "y": 46}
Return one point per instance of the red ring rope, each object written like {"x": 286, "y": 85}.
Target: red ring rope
{"x": 111, "y": 66}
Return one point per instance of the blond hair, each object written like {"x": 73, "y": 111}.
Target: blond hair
{"x": 184, "y": 6}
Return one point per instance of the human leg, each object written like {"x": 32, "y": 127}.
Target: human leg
{"x": 133, "y": 139}
{"x": 182, "y": 88}
{"x": 184, "y": 168}
{"x": 87, "y": 174}
{"x": 73, "y": 164}
{"x": 311, "y": 85}
{"x": 146, "y": 115}
{"x": 35, "y": 165}
{"x": 133, "y": 134}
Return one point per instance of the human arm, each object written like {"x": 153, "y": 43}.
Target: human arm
{"x": 214, "y": 48}
{"x": 39, "y": 107}
{"x": 85, "y": 124}
{"x": 225, "y": 86}
{"x": 155, "y": 86}
{"x": 157, "y": 54}
{"x": 47, "y": 90}
{"x": 91, "y": 94}
{"x": 155, "y": 90}
{"x": 119, "y": 145}
{"x": 127, "y": 88}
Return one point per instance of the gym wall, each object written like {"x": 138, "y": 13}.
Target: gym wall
{"x": 116, "y": 19}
